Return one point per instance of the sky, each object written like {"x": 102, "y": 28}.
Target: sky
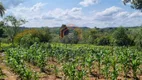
{"x": 82, "y": 13}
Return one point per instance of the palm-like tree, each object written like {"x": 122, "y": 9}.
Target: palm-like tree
{"x": 2, "y": 10}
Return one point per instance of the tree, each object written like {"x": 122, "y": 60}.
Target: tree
{"x": 85, "y": 36}
{"x": 13, "y": 25}
{"x": 138, "y": 40}
{"x": 44, "y": 35}
{"x": 2, "y": 12}
{"x": 93, "y": 35}
{"x": 121, "y": 38}
{"x": 1, "y": 31}
{"x": 1, "y": 34}
{"x": 2, "y": 9}
{"x": 136, "y": 4}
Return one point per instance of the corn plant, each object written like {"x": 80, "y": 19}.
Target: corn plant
{"x": 80, "y": 74}
{"x": 89, "y": 61}
{"x": 37, "y": 56}
{"x": 15, "y": 60}
{"x": 98, "y": 57}
{"x": 136, "y": 62}
{"x": 73, "y": 56}
{"x": 124, "y": 59}
{"x": 69, "y": 70}
{"x": 106, "y": 69}
{"x": 114, "y": 65}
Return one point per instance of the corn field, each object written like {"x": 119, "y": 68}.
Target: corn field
{"x": 75, "y": 62}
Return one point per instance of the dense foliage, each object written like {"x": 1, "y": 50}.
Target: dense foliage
{"x": 13, "y": 24}
{"x": 103, "y": 41}
{"x": 1, "y": 32}
{"x": 29, "y": 37}
{"x": 1, "y": 29}
{"x": 16, "y": 62}
{"x": 138, "y": 40}
{"x": 121, "y": 38}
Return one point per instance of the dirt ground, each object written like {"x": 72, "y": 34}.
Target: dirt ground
{"x": 9, "y": 75}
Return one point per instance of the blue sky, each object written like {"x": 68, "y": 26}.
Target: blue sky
{"x": 91, "y": 13}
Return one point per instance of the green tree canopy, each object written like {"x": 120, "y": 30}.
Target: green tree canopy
{"x": 1, "y": 32}
{"x": 1, "y": 28}
{"x": 121, "y": 37}
{"x": 13, "y": 25}
{"x": 138, "y": 40}
{"x": 136, "y": 4}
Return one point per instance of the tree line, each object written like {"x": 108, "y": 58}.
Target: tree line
{"x": 120, "y": 36}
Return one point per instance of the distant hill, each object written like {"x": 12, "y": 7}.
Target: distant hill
{"x": 56, "y": 30}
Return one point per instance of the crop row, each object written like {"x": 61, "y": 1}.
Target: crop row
{"x": 78, "y": 62}
{"x": 15, "y": 61}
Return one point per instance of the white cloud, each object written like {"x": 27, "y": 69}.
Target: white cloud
{"x": 122, "y": 14}
{"x": 107, "y": 14}
{"x": 12, "y": 3}
{"x": 115, "y": 16}
{"x": 136, "y": 14}
{"x": 86, "y": 3}
{"x": 26, "y": 12}
{"x": 74, "y": 13}
{"x": 37, "y": 6}
{"x": 110, "y": 11}
{"x": 37, "y": 16}
{"x": 76, "y": 9}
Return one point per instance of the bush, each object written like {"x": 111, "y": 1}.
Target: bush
{"x": 28, "y": 40}
{"x": 66, "y": 40}
{"x": 44, "y": 35}
{"x": 138, "y": 40}
{"x": 32, "y": 35}
{"x": 19, "y": 36}
{"x": 55, "y": 38}
{"x": 103, "y": 41}
{"x": 1, "y": 32}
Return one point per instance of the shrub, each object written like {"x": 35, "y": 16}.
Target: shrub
{"x": 103, "y": 41}
{"x": 28, "y": 40}
{"x": 138, "y": 40}
{"x": 66, "y": 40}
{"x": 19, "y": 36}
{"x": 32, "y": 35}
{"x": 44, "y": 35}
{"x": 1, "y": 32}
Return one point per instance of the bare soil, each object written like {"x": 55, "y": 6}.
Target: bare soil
{"x": 9, "y": 75}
